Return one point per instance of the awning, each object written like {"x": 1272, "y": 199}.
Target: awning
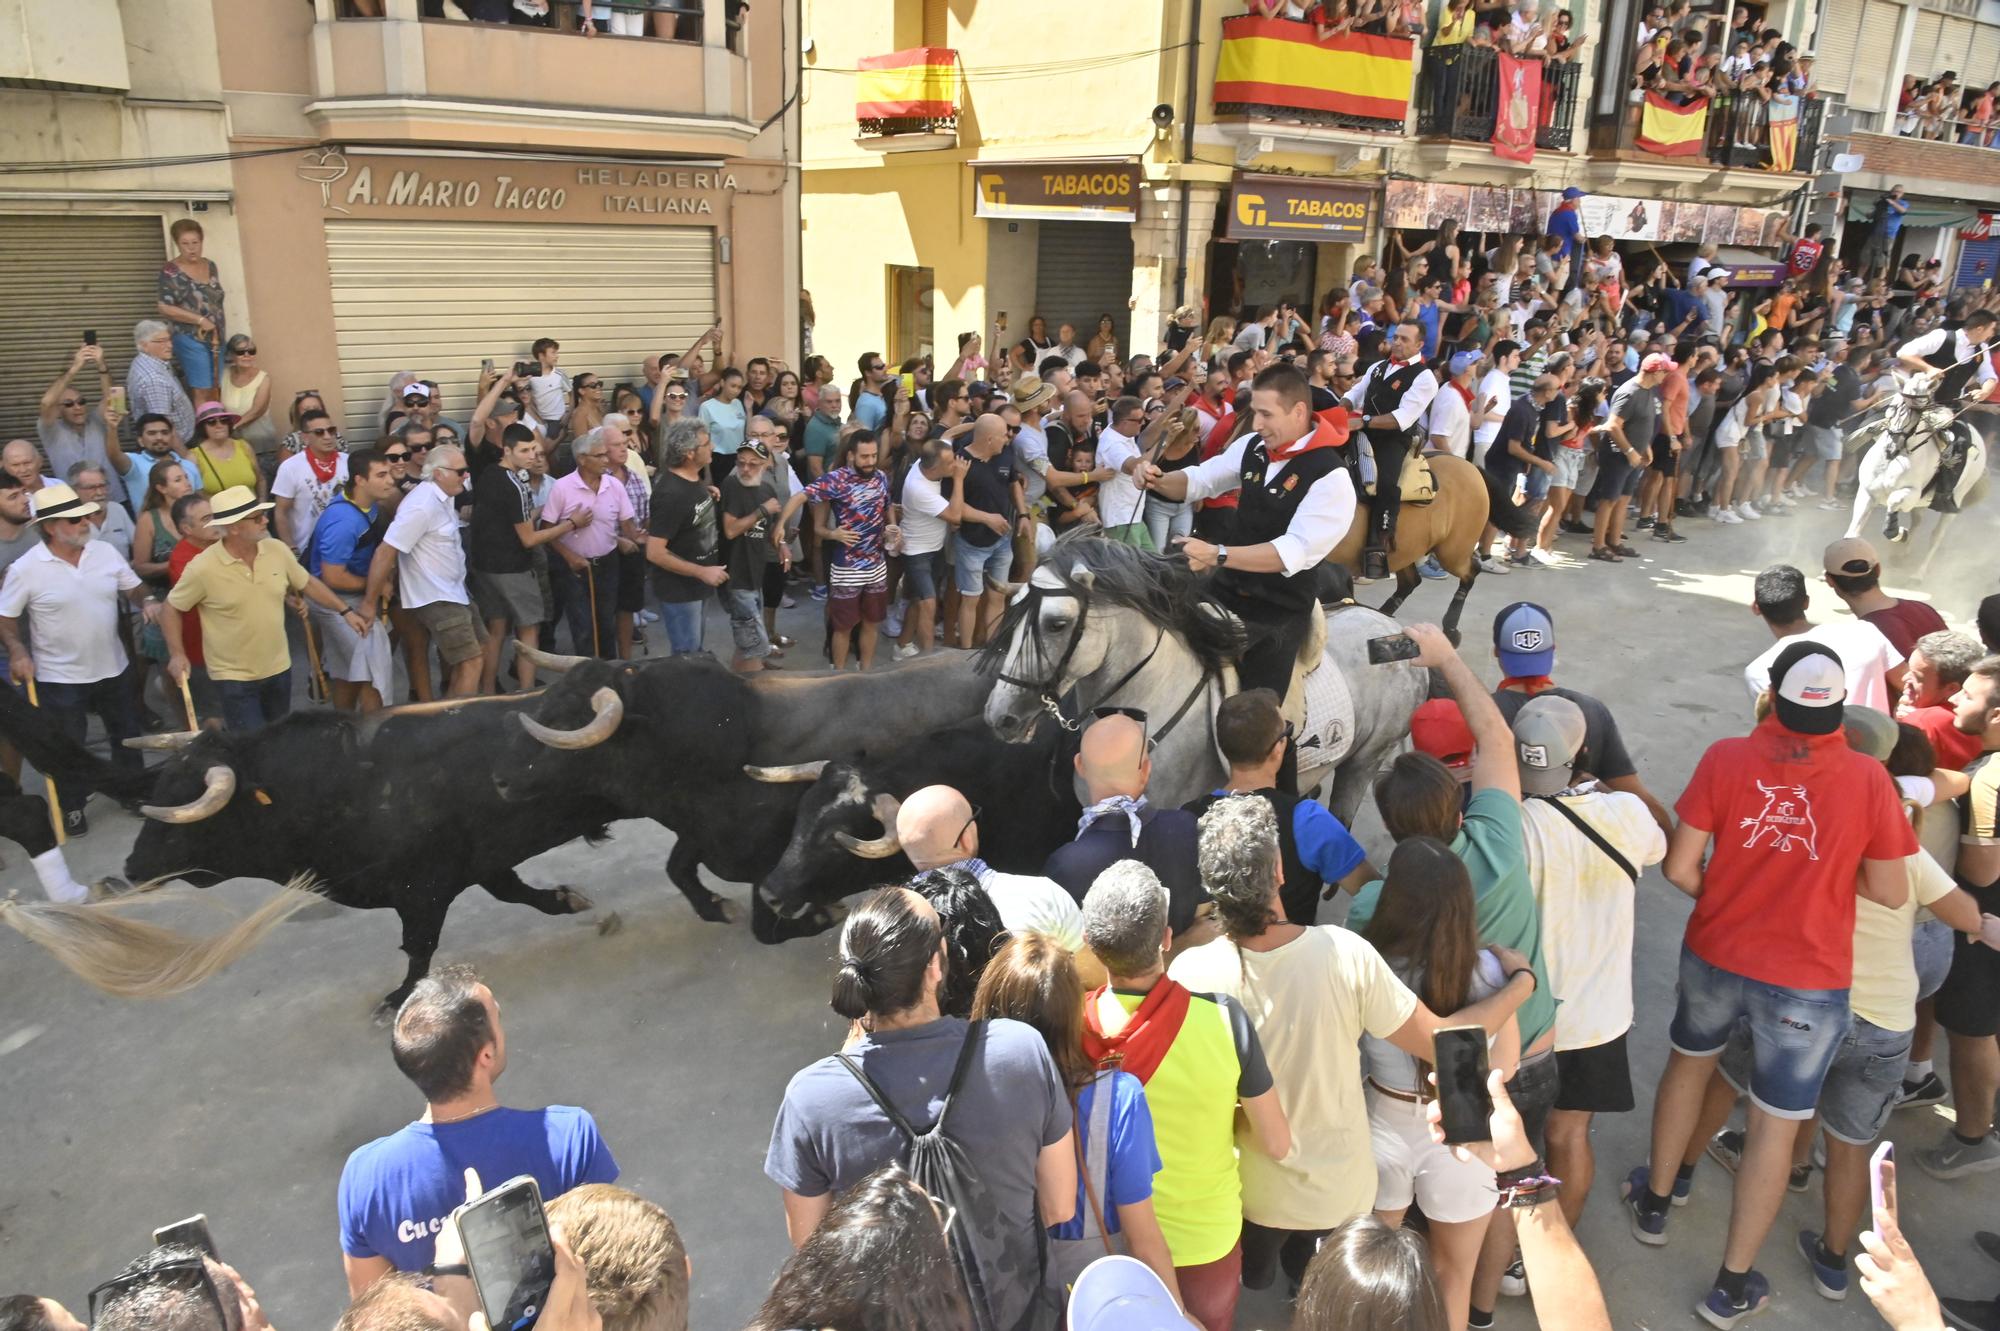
{"x": 1746, "y": 267}
{"x": 1923, "y": 212}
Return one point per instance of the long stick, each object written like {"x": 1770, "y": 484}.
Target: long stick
{"x": 590, "y": 576}
{"x": 49, "y": 782}
{"x": 187, "y": 701}
{"x": 320, "y": 692}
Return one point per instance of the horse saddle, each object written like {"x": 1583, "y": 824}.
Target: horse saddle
{"x": 1419, "y": 483}
{"x": 1318, "y": 703}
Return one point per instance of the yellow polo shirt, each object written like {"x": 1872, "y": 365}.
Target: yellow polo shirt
{"x": 242, "y": 608}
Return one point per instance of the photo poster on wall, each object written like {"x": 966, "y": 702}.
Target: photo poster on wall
{"x": 1490, "y": 210}
{"x": 1619, "y": 217}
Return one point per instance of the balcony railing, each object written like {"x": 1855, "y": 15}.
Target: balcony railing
{"x": 1459, "y": 90}
{"x": 911, "y": 92}
{"x": 1279, "y": 69}
{"x": 1743, "y": 133}
{"x": 667, "y": 20}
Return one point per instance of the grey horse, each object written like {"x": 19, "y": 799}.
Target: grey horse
{"x": 1123, "y": 628}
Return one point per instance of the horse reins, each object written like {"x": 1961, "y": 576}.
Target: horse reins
{"x": 1043, "y": 688}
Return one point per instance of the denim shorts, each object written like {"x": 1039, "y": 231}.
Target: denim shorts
{"x": 920, "y": 575}
{"x": 1569, "y": 467}
{"x": 1827, "y": 444}
{"x": 1931, "y": 946}
{"x": 193, "y": 358}
{"x": 977, "y": 566}
{"x": 1861, "y": 1087}
{"x": 1794, "y": 1033}
{"x": 1538, "y": 484}
{"x": 1752, "y": 447}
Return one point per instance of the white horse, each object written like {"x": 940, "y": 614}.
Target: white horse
{"x": 1903, "y": 458}
{"x": 1131, "y": 629}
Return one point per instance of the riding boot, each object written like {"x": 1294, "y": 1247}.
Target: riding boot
{"x": 1944, "y": 485}
{"x": 1374, "y": 562}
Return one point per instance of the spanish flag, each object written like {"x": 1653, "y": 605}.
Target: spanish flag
{"x": 1672, "y": 131}
{"x": 1279, "y": 62}
{"x": 921, "y": 82}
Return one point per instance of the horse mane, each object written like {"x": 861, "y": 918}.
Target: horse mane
{"x": 1163, "y": 590}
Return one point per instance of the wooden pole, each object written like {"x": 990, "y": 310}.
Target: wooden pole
{"x": 49, "y": 782}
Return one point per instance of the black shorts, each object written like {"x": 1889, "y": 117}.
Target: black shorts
{"x": 1612, "y": 469}
{"x": 1265, "y": 1250}
{"x": 1597, "y": 1080}
{"x": 632, "y": 582}
{"x": 1782, "y": 448}
{"x": 1968, "y": 1003}
{"x": 1665, "y": 460}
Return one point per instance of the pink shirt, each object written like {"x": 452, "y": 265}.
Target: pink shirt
{"x": 610, "y": 508}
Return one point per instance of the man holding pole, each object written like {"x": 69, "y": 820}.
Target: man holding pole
{"x": 240, "y": 585}
{"x": 589, "y": 554}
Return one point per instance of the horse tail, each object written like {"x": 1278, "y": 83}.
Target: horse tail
{"x": 1459, "y": 513}
{"x": 42, "y": 742}
{"x": 109, "y": 950}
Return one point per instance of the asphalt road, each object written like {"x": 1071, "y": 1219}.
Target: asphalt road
{"x": 243, "y": 1098}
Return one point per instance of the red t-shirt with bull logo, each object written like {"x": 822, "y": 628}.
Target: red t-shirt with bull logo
{"x": 1791, "y": 816}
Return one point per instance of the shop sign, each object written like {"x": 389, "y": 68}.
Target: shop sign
{"x": 1057, "y": 191}
{"x": 1294, "y": 208}
{"x": 470, "y": 188}
{"x": 1980, "y": 230}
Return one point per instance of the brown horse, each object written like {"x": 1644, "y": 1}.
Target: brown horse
{"x": 1449, "y": 526}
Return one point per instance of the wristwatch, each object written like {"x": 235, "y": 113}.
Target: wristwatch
{"x": 1221, "y": 555}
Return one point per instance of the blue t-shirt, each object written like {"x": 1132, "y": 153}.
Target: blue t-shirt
{"x": 397, "y": 1190}
{"x": 1566, "y": 226}
{"x": 726, "y": 422}
{"x": 1427, "y": 315}
{"x": 870, "y": 410}
{"x": 1325, "y": 845}
{"x": 342, "y": 537}
{"x": 1133, "y": 1160}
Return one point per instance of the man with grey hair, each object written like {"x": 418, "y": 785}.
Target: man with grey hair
{"x": 1316, "y": 990}
{"x": 1199, "y": 1058}
{"x": 423, "y": 552}
{"x": 110, "y": 523}
{"x": 150, "y": 385}
{"x": 681, "y": 535}
{"x": 589, "y": 554}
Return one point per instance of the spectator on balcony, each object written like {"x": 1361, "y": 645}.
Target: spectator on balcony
{"x": 1978, "y": 130}
{"x": 1739, "y": 61}
{"x": 1276, "y": 9}
{"x": 1565, "y": 44}
{"x": 1455, "y": 24}
{"x": 617, "y": 22}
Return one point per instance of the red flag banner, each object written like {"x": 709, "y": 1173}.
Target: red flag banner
{"x": 920, "y": 83}
{"x": 1279, "y": 62}
{"x": 1517, "y": 108}
{"x": 1673, "y": 131}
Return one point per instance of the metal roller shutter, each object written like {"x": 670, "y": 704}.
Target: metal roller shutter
{"x": 1836, "y": 37}
{"x": 59, "y": 275}
{"x": 1083, "y": 270}
{"x": 438, "y": 297}
{"x": 1868, "y": 89}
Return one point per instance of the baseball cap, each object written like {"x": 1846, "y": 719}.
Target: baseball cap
{"x": 1658, "y": 364}
{"x": 1548, "y": 734}
{"x": 1438, "y": 728}
{"x": 416, "y": 390}
{"x": 1524, "y": 638}
{"x": 1119, "y": 1293}
{"x": 1870, "y": 731}
{"x": 1718, "y": 274}
{"x": 1808, "y": 688}
{"x": 1850, "y": 555}
{"x": 1573, "y": 193}
{"x": 1463, "y": 361}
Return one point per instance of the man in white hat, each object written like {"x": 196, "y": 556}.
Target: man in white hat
{"x": 240, "y": 584}
{"x": 69, "y": 588}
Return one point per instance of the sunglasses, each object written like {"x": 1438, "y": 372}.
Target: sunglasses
{"x": 396, "y": 457}
{"x": 189, "y": 1272}
{"x": 324, "y": 430}
{"x": 878, "y": 365}
{"x": 246, "y": 351}
{"x": 462, "y": 471}
{"x": 71, "y": 402}
{"x": 677, "y": 397}
{"x": 420, "y": 448}
{"x": 305, "y": 393}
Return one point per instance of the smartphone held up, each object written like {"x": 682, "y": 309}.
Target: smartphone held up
{"x": 509, "y": 1252}
{"x": 1465, "y": 1106}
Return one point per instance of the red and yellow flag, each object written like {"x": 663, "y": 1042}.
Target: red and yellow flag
{"x": 1279, "y": 62}
{"x": 1672, "y": 131}
{"x": 920, "y": 83}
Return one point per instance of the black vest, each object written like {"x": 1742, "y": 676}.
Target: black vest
{"x": 1386, "y": 387}
{"x": 1264, "y": 513}
{"x": 1956, "y": 376}
{"x": 1300, "y": 887}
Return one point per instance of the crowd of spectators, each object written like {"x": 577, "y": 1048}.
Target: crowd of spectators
{"x": 1941, "y": 109}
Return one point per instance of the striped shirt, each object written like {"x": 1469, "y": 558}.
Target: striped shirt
{"x": 1522, "y": 381}
{"x": 152, "y": 387}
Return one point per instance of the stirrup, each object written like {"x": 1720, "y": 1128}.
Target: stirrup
{"x": 1375, "y": 562}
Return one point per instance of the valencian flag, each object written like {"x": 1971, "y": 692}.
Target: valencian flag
{"x": 1673, "y": 131}
{"x": 1517, "y": 108}
{"x": 1277, "y": 62}
{"x": 1784, "y": 122}
{"x": 920, "y": 83}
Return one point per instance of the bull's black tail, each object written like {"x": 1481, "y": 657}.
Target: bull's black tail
{"x": 35, "y": 733}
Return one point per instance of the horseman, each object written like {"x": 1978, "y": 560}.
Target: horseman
{"x": 1958, "y": 359}
{"x": 1297, "y": 502}
{"x": 1392, "y": 398}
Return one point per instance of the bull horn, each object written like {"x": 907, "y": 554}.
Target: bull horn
{"x": 881, "y": 847}
{"x": 779, "y": 776}
{"x": 610, "y": 709}
{"x": 547, "y": 660}
{"x": 173, "y": 741}
{"x": 221, "y": 789}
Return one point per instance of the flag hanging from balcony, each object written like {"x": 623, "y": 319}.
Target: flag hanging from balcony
{"x": 1517, "y": 108}
{"x": 1783, "y": 118}
{"x": 920, "y": 83}
{"x": 1279, "y": 62}
{"x": 1673, "y": 131}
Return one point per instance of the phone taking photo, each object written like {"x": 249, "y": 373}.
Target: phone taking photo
{"x": 1464, "y": 1104}
{"x": 1882, "y": 1183}
{"x": 1393, "y": 647}
{"x": 189, "y": 1233}
{"x": 507, "y": 1247}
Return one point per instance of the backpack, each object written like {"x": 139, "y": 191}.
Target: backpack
{"x": 944, "y": 1169}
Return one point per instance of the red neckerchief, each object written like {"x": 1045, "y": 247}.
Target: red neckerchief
{"x": 322, "y": 474}
{"x": 1329, "y": 433}
{"x": 1145, "y": 1039}
{"x": 1528, "y": 684}
{"x": 1463, "y": 391}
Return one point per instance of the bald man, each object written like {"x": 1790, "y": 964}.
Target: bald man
{"x": 1115, "y": 764}
{"x": 939, "y": 829}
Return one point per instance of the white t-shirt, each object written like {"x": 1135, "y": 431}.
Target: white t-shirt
{"x": 551, "y": 394}
{"x": 1494, "y": 384}
{"x": 309, "y": 495}
{"x": 1586, "y": 903}
{"x": 1120, "y": 502}
{"x": 923, "y": 530}
{"x": 1311, "y": 1001}
{"x": 1865, "y": 655}
{"x": 72, "y": 611}
{"x": 1451, "y": 418}
{"x": 1029, "y": 903}
{"x": 430, "y": 564}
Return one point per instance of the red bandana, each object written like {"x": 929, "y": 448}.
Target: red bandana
{"x": 1528, "y": 684}
{"x": 1330, "y": 432}
{"x": 1145, "y": 1039}
{"x": 322, "y": 471}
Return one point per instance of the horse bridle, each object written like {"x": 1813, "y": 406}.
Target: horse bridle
{"x": 1044, "y": 689}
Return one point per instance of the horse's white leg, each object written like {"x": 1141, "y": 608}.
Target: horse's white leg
{"x": 1860, "y": 509}
{"x": 1937, "y": 539}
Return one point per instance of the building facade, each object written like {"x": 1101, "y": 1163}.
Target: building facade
{"x": 405, "y": 190}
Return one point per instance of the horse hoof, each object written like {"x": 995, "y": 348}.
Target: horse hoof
{"x": 720, "y": 910}
{"x": 385, "y": 1012}
{"x": 1453, "y": 636}
{"x": 573, "y": 902}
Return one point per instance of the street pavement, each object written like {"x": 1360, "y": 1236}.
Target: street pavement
{"x": 243, "y": 1098}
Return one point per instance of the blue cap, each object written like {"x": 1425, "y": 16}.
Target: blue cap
{"x": 1572, "y": 193}
{"x": 1119, "y": 1293}
{"x": 1524, "y": 638}
{"x": 1464, "y": 361}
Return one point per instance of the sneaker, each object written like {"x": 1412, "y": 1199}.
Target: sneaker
{"x": 1429, "y": 567}
{"x": 1720, "y": 1312}
{"x": 819, "y": 591}
{"x": 1727, "y": 515}
{"x": 906, "y": 651}
{"x": 786, "y": 602}
{"x": 1832, "y": 504}
{"x": 1830, "y": 1281}
{"x": 1952, "y": 1158}
{"x": 1800, "y": 1178}
{"x": 1546, "y": 558}
{"x": 1746, "y": 509}
{"x": 1682, "y": 1188}
{"x": 1647, "y": 523}
{"x": 1926, "y": 1091}
{"x": 74, "y": 823}
{"x": 1668, "y": 534}
{"x": 1520, "y": 559}
{"x": 1650, "y": 1230}
{"x": 647, "y": 617}
{"x": 1514, "y": 1283}
{"x": 1479, "y": 1319}
{"x": 1573, "y": 528}
{"x": 1726, "y": 1148}
{"x": 1971, "y": 1314}
{"x": 1488, "y": 564}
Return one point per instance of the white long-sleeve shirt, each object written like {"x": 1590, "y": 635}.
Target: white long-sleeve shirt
{"x": 1962, "y": 348}
{"x": 1416, "y": 401}
{"x": 1319, "y": 522}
